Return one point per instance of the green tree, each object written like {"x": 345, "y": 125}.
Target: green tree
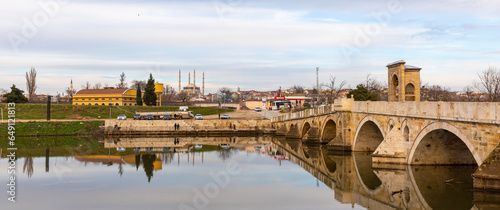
{"x": 138, "y": 98}
{"x": 15, "y": 96}
{"x": 149, "y": 92}
{"x": 361, "y": 93}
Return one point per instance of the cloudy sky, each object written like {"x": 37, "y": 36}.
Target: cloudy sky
{"x": 259, "y": 45}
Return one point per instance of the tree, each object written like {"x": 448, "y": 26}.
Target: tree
{"x": 15, "y": 96}
{"x": 183, "y": 96}
{"x": 149, "y": 92}
{"x": 138, "y": 98}
{"x": 138, "y": 83}
{"x": 298, "y": 88}
{"x": 97, "y": 86}
{"x": 87, "y": 85}
{"x": 361, "y": 93}
{"x": 470, "y": 94}
{"x": 31, "y": 84}
{"x": 225, "y": 93}
{"x": 489, "y": 83}
{"x": 122, "y": 83}
{"x": 436, "y": 93}
{"x": 168, "y": 93}
{"x": 333, "y": 90}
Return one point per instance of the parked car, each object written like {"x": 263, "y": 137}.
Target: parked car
{"x": 137, "y": 116}
{"x": 198, "y": 117}
{"x": 121, "y": 117}
{"x": 150, "y": 117}
{"x": 167, "y": 117}
{"x": 225, "y": 116}
{"x": 257, "y": 109}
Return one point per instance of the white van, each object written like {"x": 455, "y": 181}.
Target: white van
{"x": 183, "y": 109}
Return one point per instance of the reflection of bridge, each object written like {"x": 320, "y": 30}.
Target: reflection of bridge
{"x": 354, "y": 181}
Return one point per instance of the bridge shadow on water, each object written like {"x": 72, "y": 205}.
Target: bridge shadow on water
{"x": 355, "y": 181}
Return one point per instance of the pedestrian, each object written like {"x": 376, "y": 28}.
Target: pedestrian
{"x": 230, "y": 125}
{"x": 219, "y": 115}
{"x": 234, "y": 126}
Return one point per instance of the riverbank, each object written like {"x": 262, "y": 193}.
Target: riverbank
{"x": 86, "y": 112}
{"x": 55, "y": 128}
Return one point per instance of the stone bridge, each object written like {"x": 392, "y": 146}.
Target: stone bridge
{"x": 414, "y": 133}
{"x": 355, "y": 182}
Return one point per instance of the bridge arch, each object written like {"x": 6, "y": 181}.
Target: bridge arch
{"x": 369, "y": 135}
{"x": 305, "y": 127}
{"x": 441, "y": 143}
{"x": 329, "y": 131}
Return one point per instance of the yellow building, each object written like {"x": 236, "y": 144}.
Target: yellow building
{"x": 112, "y": 96}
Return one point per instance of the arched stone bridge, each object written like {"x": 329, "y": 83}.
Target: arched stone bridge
{"x": 415, "y": 133}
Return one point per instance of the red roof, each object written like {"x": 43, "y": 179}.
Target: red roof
{"x": 102, "y": 91}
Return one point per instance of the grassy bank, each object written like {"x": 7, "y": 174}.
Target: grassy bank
{"x": 37, "y": 111}
{"x": 75, "y": 128}
{"x": 58, "y": 145}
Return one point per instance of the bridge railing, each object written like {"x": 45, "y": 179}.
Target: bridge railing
{"x": 483, "y": 112}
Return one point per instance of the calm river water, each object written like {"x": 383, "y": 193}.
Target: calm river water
{"x": 229, "y": 173}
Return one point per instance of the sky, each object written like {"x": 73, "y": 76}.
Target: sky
{"x": 254, "y": 45}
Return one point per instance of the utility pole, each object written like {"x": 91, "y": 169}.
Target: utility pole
{"x": 317, "y": 80}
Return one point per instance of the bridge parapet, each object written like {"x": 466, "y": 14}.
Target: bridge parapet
{"x": 341, "y": 104}
{"x": 479, "y": 112}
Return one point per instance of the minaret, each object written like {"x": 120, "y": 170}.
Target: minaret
{"x": 179, "y": 80}
{"x": 203, "y": 88}
{"x": 189, "y": 78}
{"x": 194, "y": 82}
{"x": 71, "y": 89}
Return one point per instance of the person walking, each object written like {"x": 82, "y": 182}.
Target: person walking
{"x": 234, "y": 126}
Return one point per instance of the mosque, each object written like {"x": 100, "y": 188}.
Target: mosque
{"x": 191, "y": 89}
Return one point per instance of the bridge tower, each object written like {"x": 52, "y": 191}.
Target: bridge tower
{"x": 404, "y": 81}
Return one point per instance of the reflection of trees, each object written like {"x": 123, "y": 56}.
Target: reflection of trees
{"x": 137, "y": 161}
{"x": 28, "y": 166}
{"x": 120, "y": 169}
{"x": 147, "y": 164}
{"x": 168, "y": 157}
{"x": 225, "y": 154}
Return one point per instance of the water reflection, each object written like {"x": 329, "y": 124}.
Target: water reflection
{"x": 181, "y": 163}
{"x": 355, "y": 181}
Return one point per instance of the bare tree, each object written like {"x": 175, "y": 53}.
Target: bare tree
{"x": 489, "y": 82}
{"x": 298, "y": 88}
{"x": 168, "y": 93}
{"x": 375, "y": 87}
{"x": 225, "y": 93}
{"x": 138, "y": 83}
{"x": 31, "y": 83}
{"x": 470, "y": 94}
{"x": 436, "y": 93}
{"x": 332, "y": 88}
{"x": 97, "y": 86}
{"x": 122, "y": 83}
{"x": 183, "y": 96}
{"x": 69, "y": 92}
{"x": 87, "y": 85}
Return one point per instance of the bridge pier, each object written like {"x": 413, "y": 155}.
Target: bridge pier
{"x": 312, "y": 135}
{"x": 293, "y": 133}
{"x": 487, "y": 176}
{"x": 392, "y": 149}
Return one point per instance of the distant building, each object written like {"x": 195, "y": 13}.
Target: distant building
{"x": 112, "y": 96}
